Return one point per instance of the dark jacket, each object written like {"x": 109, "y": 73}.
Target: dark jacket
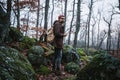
{"x": 58, "y": 31}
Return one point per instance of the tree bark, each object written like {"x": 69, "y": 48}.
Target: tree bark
{"x": 89, "y": 19}
{"x": 119, "y": 4}
{"x": 98, "y": 37}
{"x": 18, "y": 15}
{"x": 52, "y": 13}
{"x": 9, "y": 2}
{"x": 65, "y": 13}
{"x": 118, "y": 42}
{"x": 108, "y": 46}
{"x": 46, "y": 16}
{"x": 77, "y": 23}
{"x": 71, "y": 24}
{"x": 37, "y": 20}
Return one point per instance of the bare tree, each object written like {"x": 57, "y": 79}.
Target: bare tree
{"x": 52, "y": 12}
{"x": 78, "y": 20}
{"x": 119, "y": 4}
{"x": 18, "y": 15}
{"x": 65, "y": 12}
{"x": 37, "y": 20}
{"x": 71, "y": 24}
{"x": 108, "y": 46}
{"x": 28, "y": 15}
{"x": 102, "y": 38}
{"x": 118, "y": 41}
{"x": 42, "y": 17}
{"x": 99, "y": 20}
{"x": 93, "y": 26}
{"x": 46, "y": 16}
{"x": 88, "y": 24}
{"x": 9, "y": 2}
{"x": 118, "y": 37}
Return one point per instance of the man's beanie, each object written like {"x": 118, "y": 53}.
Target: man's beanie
{"x": 61, "y": 16}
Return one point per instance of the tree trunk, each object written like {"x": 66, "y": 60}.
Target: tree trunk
{"x": 46, "y": 16}
{"x": 119, "y": 4}
{"x": 18, "y": 15}
{"x": 27, "y": 23}
{"x": 98, "y": 37}
{"x": 89, "y": 18}
{"x": 109, "y": 38}
{"x": 42, "y": 17}
{"x": 9, "y": 2}
{"x": 118, "y": 42}
{"x": 93, "y": 36}
{"x": 37, "y": 20}
{"x": 69, "y": 35}
{"x": 108, "y": 46}
{"x": 77, "y": 23}
{"x": 65, "y": 13}
{"x": 101, "y": 41}
{"x": 52, "y": 13}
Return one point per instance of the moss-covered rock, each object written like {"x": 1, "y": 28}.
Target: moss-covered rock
{"x": 14, "y": 66}
{"x": 35, "y": 55}
{"x": 70, "y": 55}
{"x": 15, "y": 34}
{"x": 84, "y": 58}
{"x": 98, "y": 52}
{"x": 27, "y": 42}
{"x": 102, "y": 67}
{"x": 72, "y": 68}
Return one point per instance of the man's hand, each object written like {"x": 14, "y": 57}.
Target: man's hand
{"x": 65, "y": 34}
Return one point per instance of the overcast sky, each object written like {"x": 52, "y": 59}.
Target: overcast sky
{"x": 104, "y": 6}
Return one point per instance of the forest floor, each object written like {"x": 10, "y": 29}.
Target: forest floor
{"x": 54, "y": 76}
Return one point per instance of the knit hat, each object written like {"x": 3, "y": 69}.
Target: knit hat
{"x": 61, "y": 16}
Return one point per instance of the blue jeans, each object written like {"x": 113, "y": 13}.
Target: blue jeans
{"x": 57, "y": 59}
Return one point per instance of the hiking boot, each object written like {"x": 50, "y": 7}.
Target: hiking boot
{"x": 59, "y": 73}
{"x": 62, "y": 73}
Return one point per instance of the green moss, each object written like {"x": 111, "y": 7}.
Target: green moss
{"x": 70, "y": 55}
{"x": 72, "y": 68}
{"x": 35, "y": 55}
{"x": 14, "y": 66}
{"x": 81, "y": 52}
{"x": 27, "y": 42}
{"x": 86, "y": 58}
{"x": 44, "y": 70}
{"x": 102, "y": 67}
{"x": 15, "y": 34}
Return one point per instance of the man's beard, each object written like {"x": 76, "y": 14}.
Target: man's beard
{"x": 62, "y": 21}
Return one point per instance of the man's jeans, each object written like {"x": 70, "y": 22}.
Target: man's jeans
{"x": 57, "y": 59}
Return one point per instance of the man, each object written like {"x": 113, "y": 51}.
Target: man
{"x": 58, "y": 31}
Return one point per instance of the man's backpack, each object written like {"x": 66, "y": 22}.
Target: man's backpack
{"x": 50, "y": 33}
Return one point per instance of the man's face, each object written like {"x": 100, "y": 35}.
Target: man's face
{"x": 62, "y": 20}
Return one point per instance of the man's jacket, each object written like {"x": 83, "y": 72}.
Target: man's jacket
{"x": 58, "y": 30}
